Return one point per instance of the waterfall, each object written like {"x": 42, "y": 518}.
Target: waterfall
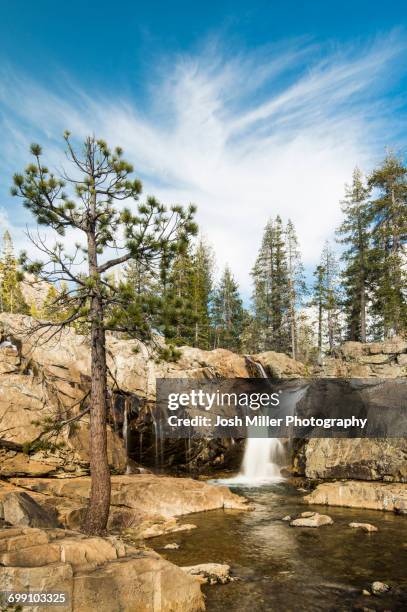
{"x": 158, "y": 440}
{"x": 125, "y": 425}
{"x": 263, "y": 457}
{"x": 262, "y": 460}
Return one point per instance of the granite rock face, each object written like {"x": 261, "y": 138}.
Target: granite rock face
{"x": 94, "y": 573}
{"x": 357, "y": 458}
{"x": 391, "y": 497}
{"x": 356, "y": 360}
{"x": 40, "y": 379}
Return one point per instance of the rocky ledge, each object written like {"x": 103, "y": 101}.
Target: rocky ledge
{"x": 142, "y": 505}
{"x": 391, "y": 497}
{"x": 41, "y": 548}
{"x": 94, "y": 573}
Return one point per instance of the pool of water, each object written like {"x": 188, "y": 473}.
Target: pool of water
{"x": 284, "y": 569}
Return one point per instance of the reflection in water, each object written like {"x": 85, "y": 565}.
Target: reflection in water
{"x": 284, "y": 569}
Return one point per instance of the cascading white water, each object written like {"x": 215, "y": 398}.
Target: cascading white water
{"x": 125, "y": 427}
{"x": 263, "y": 457}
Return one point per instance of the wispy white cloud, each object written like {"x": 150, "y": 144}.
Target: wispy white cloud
{"x": 277, "y": 130}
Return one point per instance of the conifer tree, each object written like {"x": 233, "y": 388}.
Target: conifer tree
{"x": 318, "y": 300}
{"x": 202, "y": 287}
{"x": 11, "y": 296}
{"x": 177, "y": 318}
{"x": 227, "y": 313}
{"x": 141, "y": 278}
{"x": 326, "y": 298}
{"x": 87, "y": 202}
{"x": 296, "y": 284}
{"x": 271, "y": 289}
{"x": 332, "y": 298}
{"x": 355, "y": 233}
{"x": 388, "y": 214}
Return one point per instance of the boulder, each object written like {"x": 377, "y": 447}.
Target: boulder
{"x": 378, "y": 588}
{"x": 93, "y": 573}
{"x": 9, "y": 358}
{"x": 278, "y": 365}
{"x": 209, "y": 573}
{"x": 391, "y": 497}
{"x": 375, "y": 359}
{"x": 21, "y": 509}
{"x": 351, "y": 350}
{"x": 144, "y": 583}
{"x": 54, "y": 577}
{"x": 402, "y": 360}
{"x": 311, "y": 519}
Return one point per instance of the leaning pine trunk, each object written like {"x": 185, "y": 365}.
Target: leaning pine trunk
{"x": 99, "y": 502}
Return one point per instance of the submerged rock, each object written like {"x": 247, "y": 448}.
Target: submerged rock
{"x": 364, "y": 526}
{"x": 312, "y": 519}
{"x": 287, "y": 518}
{"x": 172, "y": 546}
{"x": 378, "y": 588}
{"x": 210, "y": 573}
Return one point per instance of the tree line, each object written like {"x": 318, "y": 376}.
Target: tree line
{"x": 360, "y": 296}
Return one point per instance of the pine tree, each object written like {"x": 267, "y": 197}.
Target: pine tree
{"x": 388, "y": 213}
{"x": 11, "y": 296}
{"x": 296, "y": 284}
{"x": 177, "y": 318}
{"x": 141, "y": 278}
{"x": 326, "y": 298}
{"x": 202, "y": 287}
{"x": 318, "y": 300}
{"x": 355, "y": 232}
{"x": 251, "y": 337}
{"x": 227, "y": 313}
{"x": 89, "y": 202}
{"x": 332, "y": 299}
{"x": 271, "y": 289}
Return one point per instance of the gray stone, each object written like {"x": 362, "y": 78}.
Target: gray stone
{"x": 21, "y": 509}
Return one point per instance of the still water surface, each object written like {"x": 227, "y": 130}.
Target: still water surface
{"x": 284, "y": 569}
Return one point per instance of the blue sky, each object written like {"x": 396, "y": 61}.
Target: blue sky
{"x": 246, "y": 109}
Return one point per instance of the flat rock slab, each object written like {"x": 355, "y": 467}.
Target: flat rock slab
{"x": 163, "y": 495}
